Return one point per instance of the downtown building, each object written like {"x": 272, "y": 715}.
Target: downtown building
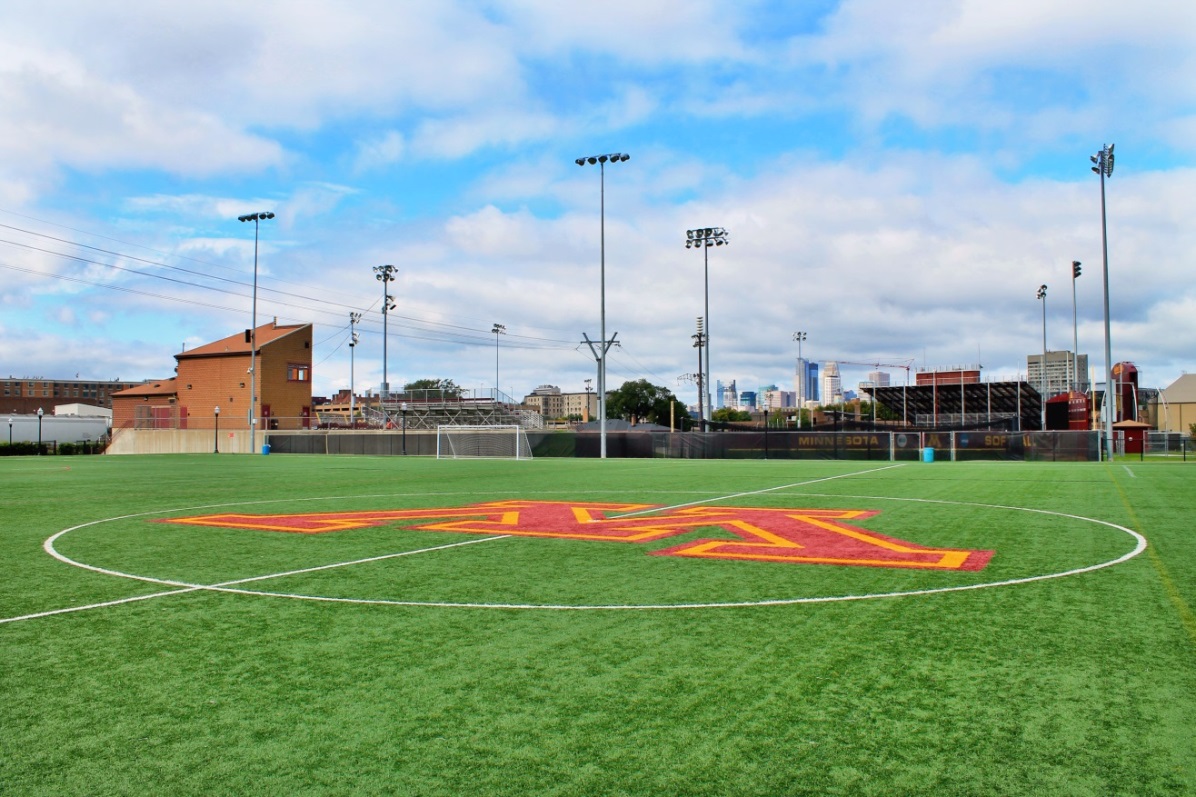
{"x": 1062, "y": 372}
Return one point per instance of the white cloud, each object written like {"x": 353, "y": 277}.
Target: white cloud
{"x": 379, "y": 152}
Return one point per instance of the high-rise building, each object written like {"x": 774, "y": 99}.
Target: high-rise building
{"x": 1061, "y": 369}
{"x": 832, "y": 388}
{"x": 805, "y": 381}
{"x": 878, "y": 378}
{"x": 728, "y": 395}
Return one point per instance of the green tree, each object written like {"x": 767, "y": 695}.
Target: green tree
{"x": 445, "y": 388}
{"x": 641, "y": 402}
{"x": 725, "y": 414}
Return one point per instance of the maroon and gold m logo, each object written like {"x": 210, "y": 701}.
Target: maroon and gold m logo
{"x": 803, "y": 536}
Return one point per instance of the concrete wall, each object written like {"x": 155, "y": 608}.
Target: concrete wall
{"x": 178, "y": 441}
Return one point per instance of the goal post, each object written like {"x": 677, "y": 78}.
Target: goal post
{"x": 484, "y": 441}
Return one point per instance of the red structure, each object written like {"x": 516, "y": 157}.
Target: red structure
{"x": 1125, "y": 391}
{"x": 953, "y": 376}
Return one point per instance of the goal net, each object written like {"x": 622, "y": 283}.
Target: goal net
{"x": 495, "y": 442}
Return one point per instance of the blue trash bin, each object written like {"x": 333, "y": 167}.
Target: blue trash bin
{"x": 265, "y": 449}
{"x": 928, "y": 455}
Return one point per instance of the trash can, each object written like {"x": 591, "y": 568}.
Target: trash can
{"x": 265, "y": 449}
{"x": 928, "y": 455}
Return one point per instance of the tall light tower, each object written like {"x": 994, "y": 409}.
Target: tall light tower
{"x": 257, "y": 219}
{"x": 1075, "y": 335}
{"x": 601, "y": 160}
{"x": 1103, "y": 165}
{"x": 385, "y": 274}
{"x": 354, "y": 320}
{"x": 802, "y": 375}
{"x": 703, "y": 238}
{"x": 699, "y": 344}
{"x": 498, "y": 331}
{"x": 1042, "y": 292}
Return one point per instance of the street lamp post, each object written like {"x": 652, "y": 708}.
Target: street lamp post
{"x": 257, "y": 219}
{"x": 10, "y": 431}
{"x": 1042, "y": 292}
{"x": 403, "y": 412}
{"x": 216, "y": 434}
{"x": 1075, "y": 337}
{"x": 802, "y": 374}
{"x": 498, "y": 330}
{"x": 703, "y": 238}
{"x": 39, "y": 431}
{"x": 385, "y": 274}
{"x": 1103, "y": 165}
{"x": 601, "y": 160}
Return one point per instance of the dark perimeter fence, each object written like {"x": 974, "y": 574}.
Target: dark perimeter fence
{"x": 758, "y": 444}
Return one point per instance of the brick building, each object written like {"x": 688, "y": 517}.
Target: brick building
{"x": 25, "y": 396}
{"x": 217, "y": 375}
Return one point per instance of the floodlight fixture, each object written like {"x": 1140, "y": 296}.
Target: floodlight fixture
{"x": 1075, "y": 335}
{"x": 1042, "y": 293}
{"x": 385, "y": 274}
{"x": 256, "y": 218}
{"x": 1103, "y": 166}
{"x": 703, "y": 238}
{"x": 497, "y": 330}
{"x": 601, "y": 160}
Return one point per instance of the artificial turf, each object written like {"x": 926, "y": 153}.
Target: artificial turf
{"x": 1077, "y": 685}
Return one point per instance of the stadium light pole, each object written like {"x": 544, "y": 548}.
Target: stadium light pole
{"x": 1042, "y": 292}
{"x": 1075, "y": 337}
{"x": 601, "y": 160}
{"x": 801, "y": 376}
{"x": 354, "y": 319}
{"x": 1103, "y": 166}
{"x": 498, "y": 331}
{"x": 703, "y": 238}
{"x": 257, "y": 219}
{"x": 700, "y": 344}
{"x": 385, "y": 274}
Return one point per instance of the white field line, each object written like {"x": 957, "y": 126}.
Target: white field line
{"x": 185, "y": 587}
{"x": 227, "y": 586}
{"x": 1130, "y": 472}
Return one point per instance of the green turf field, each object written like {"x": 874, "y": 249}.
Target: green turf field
{"x": 527, "y": 658}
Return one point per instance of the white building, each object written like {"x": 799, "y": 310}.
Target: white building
{"x": 1062, "y": 371}
{"x": 832, "y": 387}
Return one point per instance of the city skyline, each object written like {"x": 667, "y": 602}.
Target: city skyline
{"x": 895, "y": 184}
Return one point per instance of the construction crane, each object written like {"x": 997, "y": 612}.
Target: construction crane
{"x": 905, "y": 363}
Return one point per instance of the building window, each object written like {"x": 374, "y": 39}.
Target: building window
{"x": 298, "y": 373}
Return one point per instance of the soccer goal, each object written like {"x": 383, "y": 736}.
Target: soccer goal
{"x": 494, "y": 442}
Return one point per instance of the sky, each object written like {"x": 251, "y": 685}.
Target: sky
{"x": 896, "y": 184}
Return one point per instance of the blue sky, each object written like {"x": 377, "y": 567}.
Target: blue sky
{"x": 897, "y": 184}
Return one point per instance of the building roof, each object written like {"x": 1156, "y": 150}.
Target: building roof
{"x": 999, "y": 398}
{"x": 155, "y": 387}
{"x": 237, "y": 345}
{"x": 1181, "y": 391}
